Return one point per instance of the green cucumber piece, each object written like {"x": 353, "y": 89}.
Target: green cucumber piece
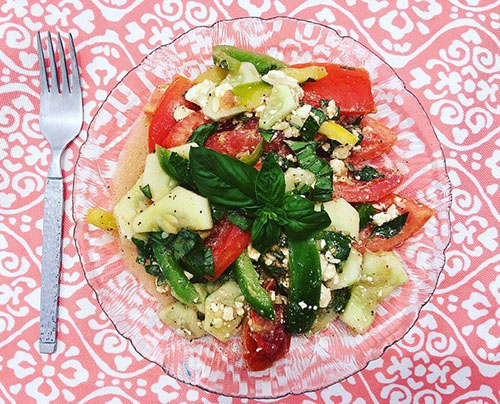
{"x": 250, "y": 95}
{"x": 280, "y": 103}
{"x": 227, "y": 57}
{"x": 305, "y": 286}
{"x": 248, "y": 281}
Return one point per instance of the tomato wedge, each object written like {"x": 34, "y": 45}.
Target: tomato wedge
{"x": 236, "y": 142}
{"x": 349, "y": 87}
{"x": 182, "y": 130}
{"x": 265, "y": 341}
{"x": 227, "y": 241}
{"x": 418, "y": 214}
{"x": 163, "y": 118}
{"x": 377, "y": 139}
{"x": 366, "y": 191}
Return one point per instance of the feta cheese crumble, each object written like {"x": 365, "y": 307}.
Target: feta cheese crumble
{"x": 200, "y": 93}
{"x": 384, "y": 217}
{"x": 325, "y": 296}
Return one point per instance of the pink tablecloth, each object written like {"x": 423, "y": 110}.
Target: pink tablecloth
{"x": 448, "y": 55}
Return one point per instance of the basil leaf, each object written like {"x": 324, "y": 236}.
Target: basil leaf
{"x": 203, "y": 132}
{"x": 267, "y": 134}
{"x": 324, "y": 105}
{"x": 391, "y": 228}
{"x": 240, "y": 221}
{"x": 302, "y": 220}
{"x": 366, "y": 212}
{"x": 183, "y": 243}
{"x": 308, "y": 160}
{"x": 339, "y": 299}
{"x": 265, "y": 233}
{"x": 339, "y": 244}
{"x": 242, "y": 118}
{"x": 222, "y": 179}
{"x": 199, "y": 261}
{"x": 367, "y": 173}
{"x": 270, "y": 183}
{"x": 146, "y": 190}
{"x": 312, "y": 123}
{"x": 176, "y": 166}
{"x": 146, "y": 257}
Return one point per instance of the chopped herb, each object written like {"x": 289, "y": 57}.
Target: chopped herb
{"x": 203, "y": 132}
{"x": 146, "y": 190}
{"x": 242, "y": 118}
{"x": 339, "y": 245}
{"x": 366, "y": 212}
{"x": 176, "y": 166}
{"x": 339, "y": 299}
{"x": 367, "y": 173}
{"x": 391, "y": 228}
{"x": 311, "y": 125}
{"x": 309, "y": 160}
{"x": 267, "y": 134}
{"x": 218, "y": 212}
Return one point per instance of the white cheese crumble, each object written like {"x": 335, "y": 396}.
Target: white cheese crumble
{"x": 253, "y": 253}
{"x": 328, "y": 270}
{"x": 291, "y": 132}
{"x": 165, "y": 288}
{"x": 228, "y": 313}
{"x": 189, "y": 275}
{"x": 181, "y": 112}
{"x": 331, "y": 110}
{"x": 384, "y": 217}
{"x": 325, "y": 296}
{"x": 277, "y": 77}
{"x": 221, "y": 89}
{"x": 296, "y": 121}
{"x": 342, "y": 152}
{"x": 258, "y": 110}
{"x": 303, "y": 111}
{"x": 338, "y": 167}
{"x": 201, "y": 92}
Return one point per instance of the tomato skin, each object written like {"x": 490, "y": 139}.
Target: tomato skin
{"x": 266, "y": 341}
{"x": 236, "y": 142}
{"x": 377, "y": 139}
{"x": 227, "y": 241}
{"x": 418, "y": 215}
{"x": 163, "y": 118}
{"x": 367, "y": 191}
{"x": 182, "y": 130}
{"x": 350, "y": 88}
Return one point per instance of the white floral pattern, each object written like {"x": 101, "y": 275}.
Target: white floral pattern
{"x": 449, "y": 59}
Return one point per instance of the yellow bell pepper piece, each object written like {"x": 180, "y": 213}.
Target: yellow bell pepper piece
{"x": 215, "y": 74}
{"x": 337, "y": 132}
{"x": 102, "y": 219}
{"x": 302, "y": 74}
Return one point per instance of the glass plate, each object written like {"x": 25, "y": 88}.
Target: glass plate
{"x": 314, "y": 362}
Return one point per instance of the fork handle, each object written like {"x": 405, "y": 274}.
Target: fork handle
{"x": 51, "y": 261}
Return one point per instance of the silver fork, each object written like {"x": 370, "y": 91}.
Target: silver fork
{"x": 61, "y": 118}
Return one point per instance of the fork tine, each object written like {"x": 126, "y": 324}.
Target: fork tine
{"x": 54, "y": 80}
{"x": 75, "y": 74}
{"x": 64, "y": 70}
{"x": 44, "y": 85}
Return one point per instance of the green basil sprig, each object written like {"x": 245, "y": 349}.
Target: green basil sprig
{"x": 234, "y": 185}
{"x": 391, "y": 228}
{"x": 367, "y": 173}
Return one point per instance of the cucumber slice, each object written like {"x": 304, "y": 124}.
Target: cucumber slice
{"x": 215, "y": 74}
{"x": 246, "y": 73}
{"x": 251, "y": 95}
{"x": 160, "y": 183}
{"x": 227, "y": 57}
{"x": 180, "y": 208}
{"x": 343, "y": 216}
{"x": 183, "y": 318}
{"x": 225, "y": 296}
{"x": 381, "y": 273}
{"x": 280, "y": 103}
{"x": 351, "y": 272}
{"x": 132, "y": 203}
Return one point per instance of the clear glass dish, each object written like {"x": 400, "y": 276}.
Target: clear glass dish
{"x": 312, "y": 363}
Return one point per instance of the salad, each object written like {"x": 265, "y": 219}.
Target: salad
{"x": 260, "y": 214}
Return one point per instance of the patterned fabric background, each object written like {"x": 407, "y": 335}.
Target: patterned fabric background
{"x": 447, "y": 53}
